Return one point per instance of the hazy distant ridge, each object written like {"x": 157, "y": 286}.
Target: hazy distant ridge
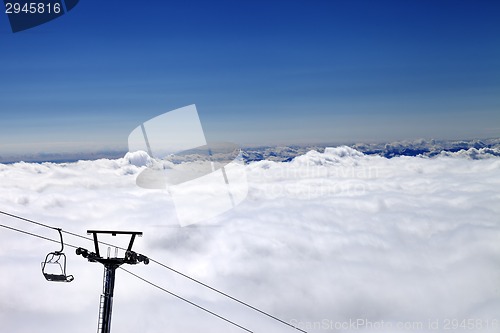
{"x": 399, "y": 148}
{"x": 472, "y": 148}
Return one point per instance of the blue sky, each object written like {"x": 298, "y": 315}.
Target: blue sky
{"x": 260, "y": 72}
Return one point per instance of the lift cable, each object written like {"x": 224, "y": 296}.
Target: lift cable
{"x": 54, "y": 228}
{"x": 137, "y": 276}
{"x": 185, "y": 300}
{"x": 35, "y": 235}
{"x": 228, "y": 296}
{"x": 167, "y": 267}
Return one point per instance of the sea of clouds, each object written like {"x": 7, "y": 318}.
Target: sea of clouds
{"x": 332, "y": 241}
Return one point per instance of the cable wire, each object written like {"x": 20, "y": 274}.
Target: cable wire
{"x": 27, "y": 220}
{"x": 35, "y": 235}
{"x": 167, "y": 267}
{"x": 54, "y": 228}
{"x": 226, "y": 295}
{"x": 187, "y": 301}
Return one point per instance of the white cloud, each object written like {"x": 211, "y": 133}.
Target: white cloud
{"x": 327, "y": 238}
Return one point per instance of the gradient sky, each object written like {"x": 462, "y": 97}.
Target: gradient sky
{"x": 260, "y": 72}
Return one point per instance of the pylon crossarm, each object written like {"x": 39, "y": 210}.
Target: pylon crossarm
{"x": 110, "y": 265}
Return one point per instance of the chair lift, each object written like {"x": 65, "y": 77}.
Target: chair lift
{"x": 55, "y": 262}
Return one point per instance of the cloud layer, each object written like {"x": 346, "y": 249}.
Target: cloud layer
{"x": 321, "y": 241}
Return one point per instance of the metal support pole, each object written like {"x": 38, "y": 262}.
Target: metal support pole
{"x": 110, "y": 266}
{"x": 108, "y": 287}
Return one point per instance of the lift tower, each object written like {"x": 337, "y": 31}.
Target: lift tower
{"x": 110, "y": 265}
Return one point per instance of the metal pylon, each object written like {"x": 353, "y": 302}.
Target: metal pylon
{"x": 110, "y": 265}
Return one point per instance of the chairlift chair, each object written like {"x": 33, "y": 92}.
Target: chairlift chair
{"x": 56, "y": 262}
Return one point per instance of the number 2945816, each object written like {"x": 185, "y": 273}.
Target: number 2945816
{"x": 32, "y": 8}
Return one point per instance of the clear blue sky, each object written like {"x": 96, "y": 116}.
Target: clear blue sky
{"x": 260, "y": 72}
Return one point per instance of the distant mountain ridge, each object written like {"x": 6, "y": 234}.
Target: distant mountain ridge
{"x": 425, "y": 147}
{"x": 422, "y": 147}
